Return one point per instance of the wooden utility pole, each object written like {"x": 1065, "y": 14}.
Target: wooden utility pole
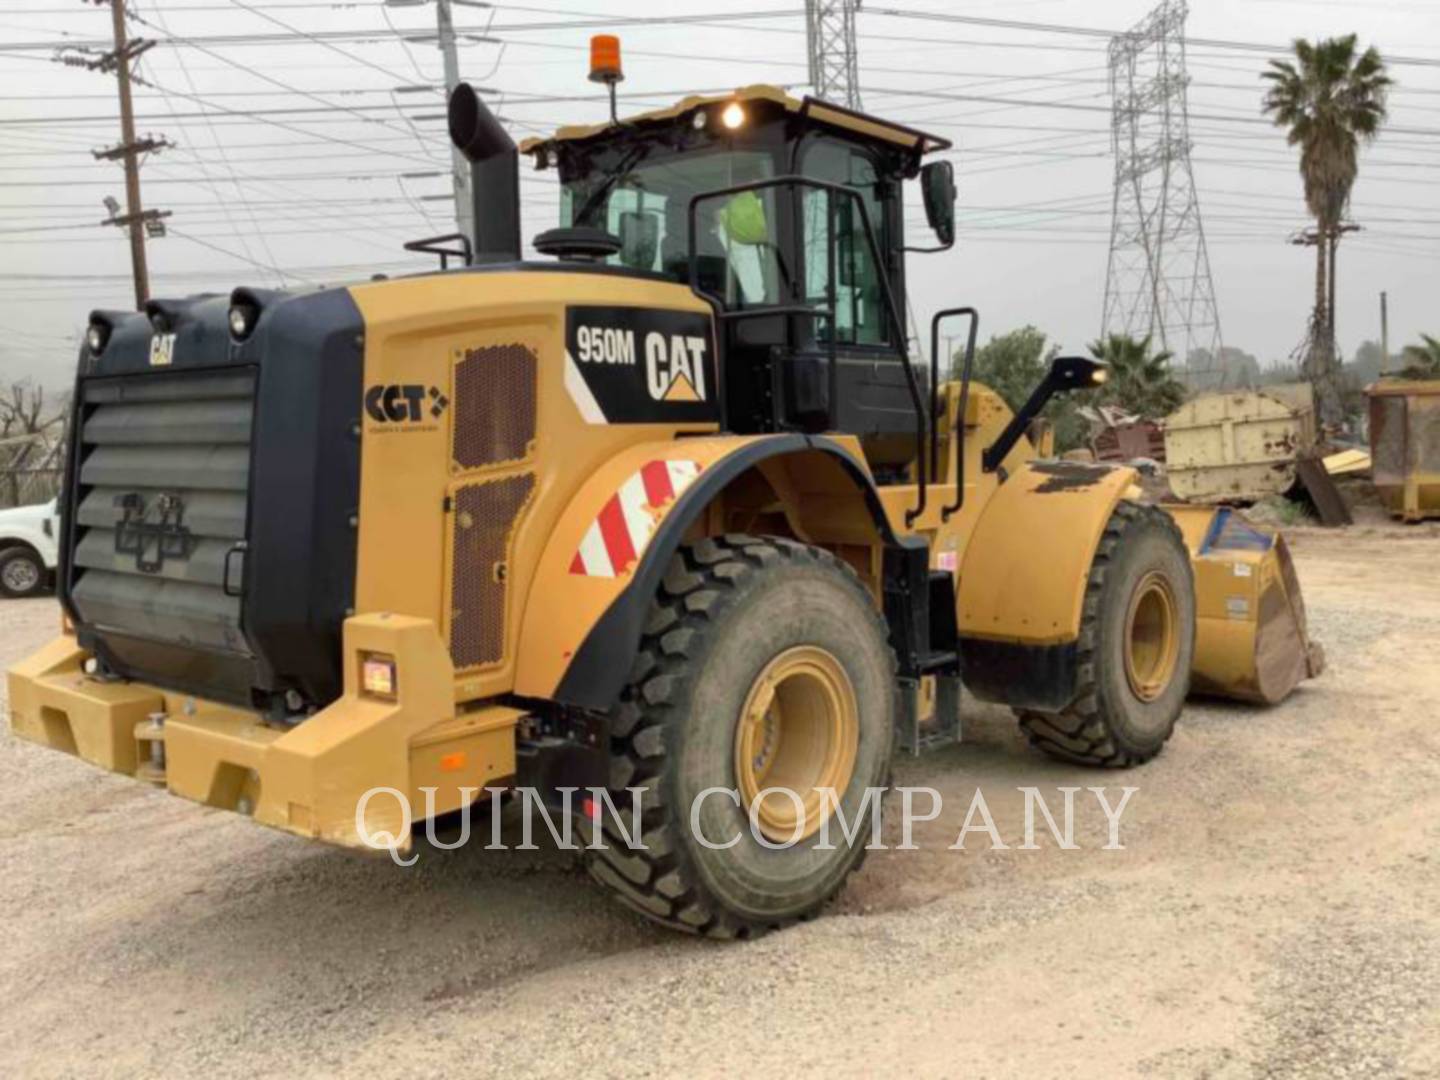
{"x": 136, "y": 218}
{"x": 132, "y": 167}
{"x": 1384, "y": 333}
{"x": 1320, "y": 361}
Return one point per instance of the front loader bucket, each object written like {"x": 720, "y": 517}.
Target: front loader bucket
{"x": 1251, "y": 640}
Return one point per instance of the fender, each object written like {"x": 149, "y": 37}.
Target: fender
{"x": 1023, "y": 579}
{"x": 592, "y": 591}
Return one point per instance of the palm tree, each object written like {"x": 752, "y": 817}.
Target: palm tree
{"x": 1422, "y": 361}
{"x": 1140, "y": 381}
{"x": 1330, "y": 100}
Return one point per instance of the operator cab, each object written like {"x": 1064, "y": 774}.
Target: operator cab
{"x": 788, "y": 216}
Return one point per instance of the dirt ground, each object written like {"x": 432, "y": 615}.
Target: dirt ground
{"x": 1275, "y": 912}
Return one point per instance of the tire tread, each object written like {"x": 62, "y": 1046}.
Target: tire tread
{"x": 1079, "y": 733}
{"x": 660, "y": 880}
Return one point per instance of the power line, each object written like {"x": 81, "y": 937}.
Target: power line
{"x": 1091, "y": 31}
{"x": 223, "y": 154}
{"x": 727, "y": 20}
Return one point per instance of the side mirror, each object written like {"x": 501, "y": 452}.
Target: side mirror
{"x": 639, "y": 239}
{"x": 937, "y": 186}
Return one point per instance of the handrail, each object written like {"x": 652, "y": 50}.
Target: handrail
{"x": 963, "y": 404}
{"x": 430, "y": 245}
{"x": 794, "y": 183}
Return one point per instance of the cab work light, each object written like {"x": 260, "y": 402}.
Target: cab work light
{"x": 377, "y": 675}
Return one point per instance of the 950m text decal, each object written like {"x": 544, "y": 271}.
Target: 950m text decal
{"x": 630, "y": 365}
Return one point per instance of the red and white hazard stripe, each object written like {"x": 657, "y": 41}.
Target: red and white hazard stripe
{"x": 617, "y": 537}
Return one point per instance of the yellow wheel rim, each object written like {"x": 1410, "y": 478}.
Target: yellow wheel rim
{"x": 1152, "y": 637}
{"x": 799, "y": 731}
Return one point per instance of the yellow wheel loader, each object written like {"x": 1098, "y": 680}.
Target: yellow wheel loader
{"x": 668, "y": 508}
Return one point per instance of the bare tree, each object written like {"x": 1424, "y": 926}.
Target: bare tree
{"x": 31, "y": 444}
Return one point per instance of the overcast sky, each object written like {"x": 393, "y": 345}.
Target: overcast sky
{"x": 291, "y": 149}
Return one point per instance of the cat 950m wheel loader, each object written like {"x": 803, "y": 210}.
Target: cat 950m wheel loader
{"x": 668, "y": 508}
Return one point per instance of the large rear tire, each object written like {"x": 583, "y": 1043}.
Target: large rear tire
{"x": 1137, "y": 641}
{"x": 765, "y": 664}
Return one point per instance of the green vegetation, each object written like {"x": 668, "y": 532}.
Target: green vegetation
{"x": 1140, "y": 381}
{"x": 1329, "y": 100}
{"x": 1422, "y": 361}
{"x": 1278, "y": 510}
{"x": 1012, "y": 365}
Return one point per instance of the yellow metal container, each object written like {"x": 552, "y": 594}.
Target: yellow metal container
{"x": 1251, "y": 641}
{"x": 1238, "y": 446}
{"x": 1405, "y": 446}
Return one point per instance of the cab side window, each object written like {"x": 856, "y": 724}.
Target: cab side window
{"x": 860, "y": 317}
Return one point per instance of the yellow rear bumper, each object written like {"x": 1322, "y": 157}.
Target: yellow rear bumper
{"x": 310, "y": 779}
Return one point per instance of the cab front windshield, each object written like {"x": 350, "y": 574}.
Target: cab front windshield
{"x": 738, "y": 259}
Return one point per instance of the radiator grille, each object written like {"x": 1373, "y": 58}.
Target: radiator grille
{"x": 484, "y": 520}
{"x": 161, "y": 499}
{"x": 494, "y": 419}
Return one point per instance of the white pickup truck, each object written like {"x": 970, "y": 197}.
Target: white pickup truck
{"x": 29, "y": 548}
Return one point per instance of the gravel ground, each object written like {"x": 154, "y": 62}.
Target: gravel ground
{"x": 1275, "y": 912}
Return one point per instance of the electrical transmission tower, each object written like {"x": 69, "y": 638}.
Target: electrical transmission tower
{"x": 834, "y": 68}
{"x": 1158, "y": 281}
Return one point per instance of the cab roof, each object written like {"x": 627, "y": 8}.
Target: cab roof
{"x": 824, "y": 112}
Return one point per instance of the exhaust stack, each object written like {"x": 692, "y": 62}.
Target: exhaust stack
{"x": 494, "y": 175}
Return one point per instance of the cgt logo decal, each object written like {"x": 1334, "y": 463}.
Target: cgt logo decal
{"x": 406, "y": 404}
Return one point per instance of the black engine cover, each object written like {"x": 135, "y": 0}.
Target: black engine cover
{"x": 210, "y": 495}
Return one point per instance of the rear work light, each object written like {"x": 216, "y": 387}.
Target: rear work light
{"x": 97, "y": 336}
{"x": 377, "y": 676}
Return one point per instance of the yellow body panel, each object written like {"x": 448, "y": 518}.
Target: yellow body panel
{"x": 1025, "y": 567}
{"x": 416, "y": 330}
{"x": 562, "y": 606}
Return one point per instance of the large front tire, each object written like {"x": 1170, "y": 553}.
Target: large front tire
{"x": 1137, "y": 642}
{"x": 765, "y": 664}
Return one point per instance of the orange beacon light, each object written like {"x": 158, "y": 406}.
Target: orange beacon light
{"x": 605, "y": 65}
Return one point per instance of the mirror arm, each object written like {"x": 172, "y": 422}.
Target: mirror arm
{"x": 1066, "y": 374}
{"x": 1000, "y": 449}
